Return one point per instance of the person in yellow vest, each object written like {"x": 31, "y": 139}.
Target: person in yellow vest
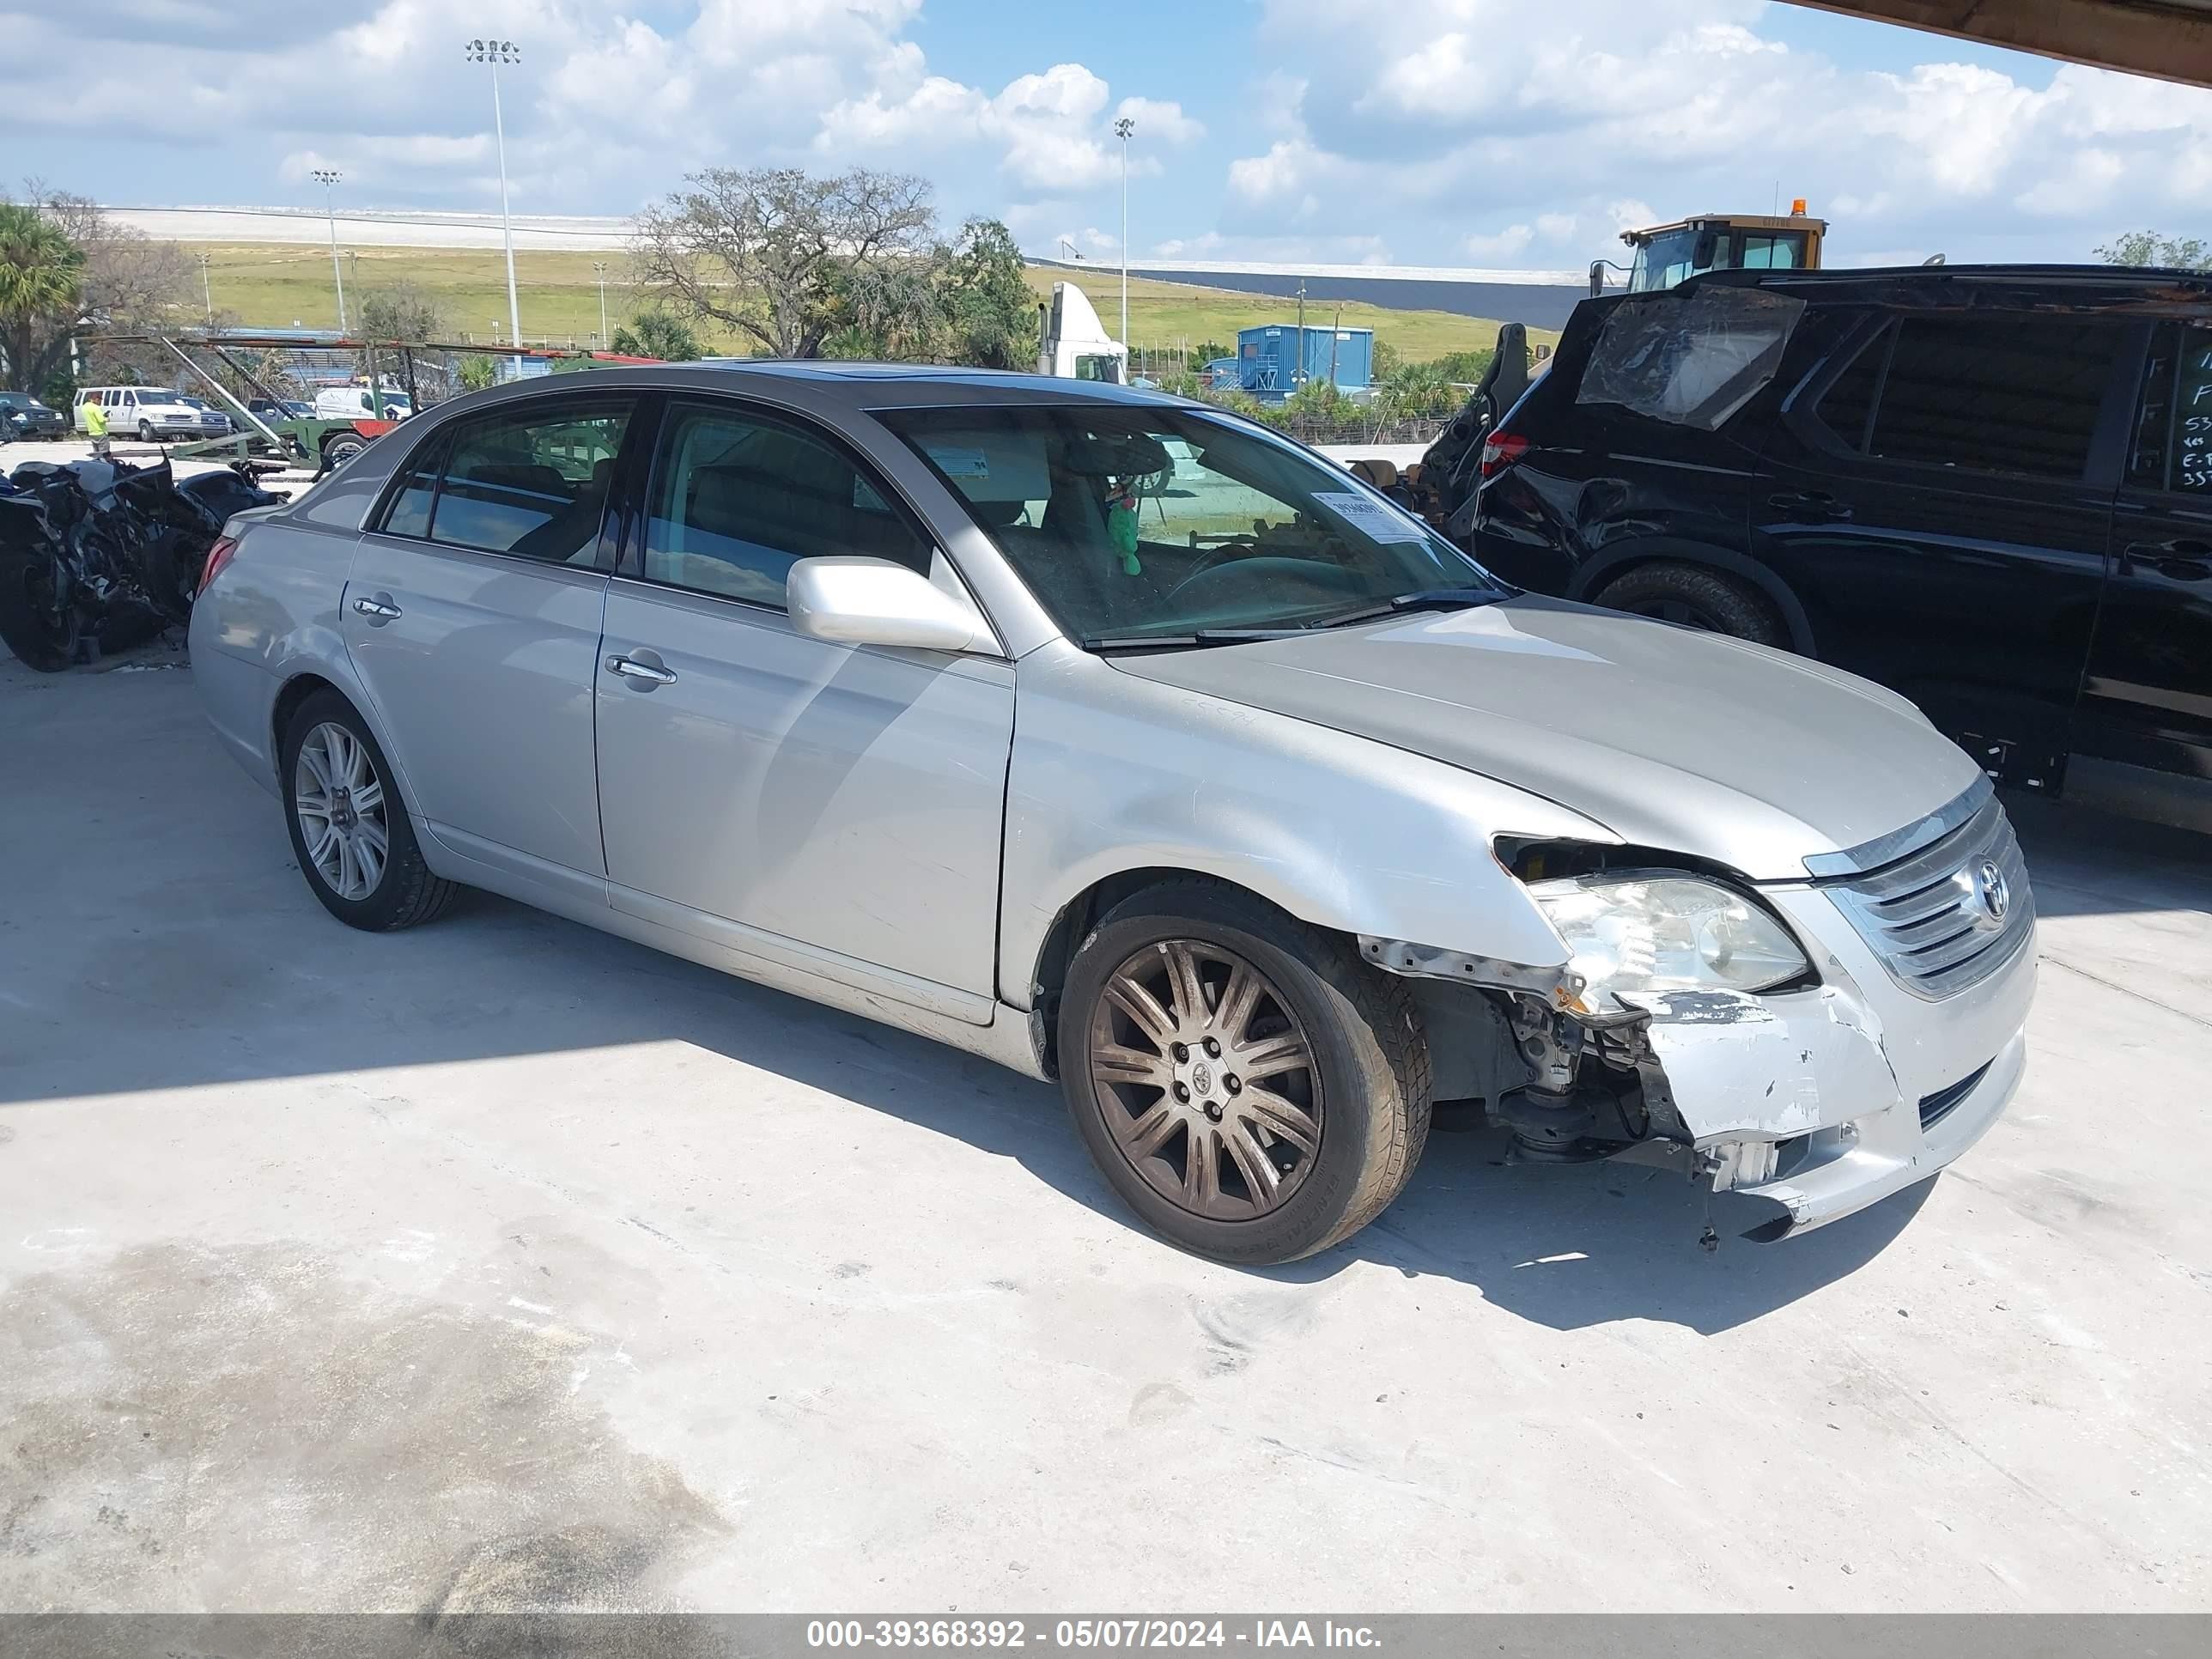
{"x": 95, "y": 423}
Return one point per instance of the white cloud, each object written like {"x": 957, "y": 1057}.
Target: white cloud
{"x": 1508, "y": 244}
{"x": 1160, "y": 119}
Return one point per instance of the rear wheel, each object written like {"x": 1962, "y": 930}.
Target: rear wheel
{"x": 1697, "y": 597}
{"x": 349, "y": 829}
{"x": 342, "y": 448}
{"x": 1252, "y": 1090}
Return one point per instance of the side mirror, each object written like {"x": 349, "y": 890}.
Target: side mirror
{"x": 854, "y": 601}
{"x": 1597, "y": 278}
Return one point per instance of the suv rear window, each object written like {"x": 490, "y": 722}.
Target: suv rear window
{"x": 2009, "y": 394}
{"x": 1689, "y": 357}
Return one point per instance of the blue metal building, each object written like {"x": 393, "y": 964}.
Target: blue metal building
{"x": 1267, "y": 359}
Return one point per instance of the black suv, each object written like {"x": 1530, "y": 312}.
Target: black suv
{"x": 1989, "y": 488}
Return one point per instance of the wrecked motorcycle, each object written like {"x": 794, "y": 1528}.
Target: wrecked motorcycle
{"x": 94, "y": 555}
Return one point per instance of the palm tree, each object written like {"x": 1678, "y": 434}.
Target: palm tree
{"x": 42, "y": 279}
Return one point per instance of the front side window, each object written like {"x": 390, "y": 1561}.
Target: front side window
{"x": 2013, "y": 393}
{"x": 738, "y": 497}
{"x": 1136, "y": 523}
{"x": 531, "y": 481}
{"x": 2172, "y": 444}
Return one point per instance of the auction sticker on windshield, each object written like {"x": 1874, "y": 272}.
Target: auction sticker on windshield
{"x": 1371, "y": 518}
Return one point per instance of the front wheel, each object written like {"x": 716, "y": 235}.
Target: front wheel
{"x": 145, "y": 433}
{"x": 1252, "y": 1090}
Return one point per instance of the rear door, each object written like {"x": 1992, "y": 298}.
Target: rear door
{"x": 2144, "y": 732}
{"x": 473, "y": 616}
{"x": 1938, "y": 497}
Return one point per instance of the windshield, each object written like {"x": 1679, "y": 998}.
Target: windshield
{"x": 1133, "y": 523}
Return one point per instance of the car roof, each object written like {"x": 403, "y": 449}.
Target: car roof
{"x": 2130, "y": 288}
{"x": 866, "y": 386}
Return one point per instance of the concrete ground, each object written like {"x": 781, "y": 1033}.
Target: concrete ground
{"x": 503, "y": 1263}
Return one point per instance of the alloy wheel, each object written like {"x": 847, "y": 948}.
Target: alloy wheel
{"x": 1207, "y": 1079}
{"x": 339, "y": 801}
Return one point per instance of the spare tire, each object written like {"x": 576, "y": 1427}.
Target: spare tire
{"x": 1698, "y": 596}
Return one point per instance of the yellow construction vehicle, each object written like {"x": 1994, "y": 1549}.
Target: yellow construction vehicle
{"x": 1667, "y": 254}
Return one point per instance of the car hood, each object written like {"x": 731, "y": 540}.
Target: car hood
{"x": 1671, "y": 738}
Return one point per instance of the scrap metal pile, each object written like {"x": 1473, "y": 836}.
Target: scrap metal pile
{"x": 97, "y": 555}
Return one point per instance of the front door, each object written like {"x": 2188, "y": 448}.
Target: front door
{"x": 2145, "y": 729}
{"x": 1938, "y": 498}
{"x": 473, "y": 616}
{"x": 831, "y": 807}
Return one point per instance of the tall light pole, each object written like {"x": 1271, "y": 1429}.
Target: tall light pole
{"x": 497, "y": 53}
{"x": 207, "y": 287}
{"x": 599, "y": 271}
{"x": 1122, "y": 129}
{"x": 330, "y": 176}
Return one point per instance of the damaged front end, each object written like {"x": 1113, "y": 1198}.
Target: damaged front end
{"x": 1812, "y": 1084}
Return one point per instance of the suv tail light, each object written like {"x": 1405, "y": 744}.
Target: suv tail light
{"x": 218, "y": 555}
{"x": 1499, "y": 451}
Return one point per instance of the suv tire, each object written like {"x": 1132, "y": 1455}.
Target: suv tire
{"x": 1697, "y": 597}
{"x": 1299, "y": 1154}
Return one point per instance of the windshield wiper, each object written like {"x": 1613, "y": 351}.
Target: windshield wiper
{"x": 1185, "y": 641}
{"x": 1432, "y": 598}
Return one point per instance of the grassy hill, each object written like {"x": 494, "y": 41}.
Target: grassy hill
{"x": 276, "y": 286}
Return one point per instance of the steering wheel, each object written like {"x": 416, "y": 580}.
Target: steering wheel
{"x": 1269, "y": 568}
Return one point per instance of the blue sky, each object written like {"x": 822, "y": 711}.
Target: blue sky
{"x": 1490, "y": 132}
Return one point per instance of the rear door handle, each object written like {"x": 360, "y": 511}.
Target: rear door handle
{"x": 1812, "y": 504}
{"x": 648, "y": 674}
{"x": 378, "y": 608}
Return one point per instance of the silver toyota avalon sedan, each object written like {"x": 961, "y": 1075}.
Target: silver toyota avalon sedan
{"x": 1129, "y": 744}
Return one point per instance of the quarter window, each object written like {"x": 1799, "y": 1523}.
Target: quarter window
{"x": 1998, "y": 394}
{"x": 1845, "y": 407}
{"x": 529, "y": 482}
{"x": 738, "y": 498}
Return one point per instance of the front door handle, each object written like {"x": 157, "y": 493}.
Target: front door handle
{"x": 1809, "y": 504}
{"x": 378, "y": 608}
{"x": 2183, "y": 559}
{"x": 646, "y": 675}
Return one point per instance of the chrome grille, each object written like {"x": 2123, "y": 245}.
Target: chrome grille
{"x": 1928, "y": 915}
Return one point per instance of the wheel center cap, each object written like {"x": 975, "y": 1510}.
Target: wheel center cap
{"x": 1201, "y": 1079}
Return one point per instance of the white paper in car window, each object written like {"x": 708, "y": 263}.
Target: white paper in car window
{"x": 1371, "y": 518}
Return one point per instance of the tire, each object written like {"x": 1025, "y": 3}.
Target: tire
{"x": 403, "y": 891}
{"x": 1361, "y": 1088}
{"x": 338, "y": 451}
{"x": 43, "y": 635}
{"x": 145, "y": 433}
{"x": 1699, "y": 597}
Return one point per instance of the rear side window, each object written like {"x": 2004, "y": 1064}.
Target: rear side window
{"x": 530, "y": 482}
{"x": 738, "y": 498}
{"x": 2012, "y": 393}
{"x": 1846, "y": 408}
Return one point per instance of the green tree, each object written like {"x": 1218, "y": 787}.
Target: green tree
{"x": 2149, "y": 247}
{"x": 990, "y": 314}
{"x": 41, "y": 280}
{"x": 657, "y": 333}
{"x": 1318, "y": 399}
{"x": 477, "y": 372}
{"x": 771, "y": 252}
{"x": 402, "y": 312}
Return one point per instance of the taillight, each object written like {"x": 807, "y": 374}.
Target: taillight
{"x": 218, "y": 555}
{"x": 1500, "y": 450}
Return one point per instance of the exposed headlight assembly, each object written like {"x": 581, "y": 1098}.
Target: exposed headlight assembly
{"x": 1662, "y": 933}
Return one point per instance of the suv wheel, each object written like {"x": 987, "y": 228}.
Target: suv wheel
{"x": 1697, "y": 597}
{"x": 145, "y": 432}
{"x": 1254, "y": 1091}
{"x": 349, "y": 828}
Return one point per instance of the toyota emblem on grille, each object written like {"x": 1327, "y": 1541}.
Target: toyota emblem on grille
{"x": 1991, "y": 891}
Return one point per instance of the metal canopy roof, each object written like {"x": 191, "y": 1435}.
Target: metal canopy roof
{"x": 2171, "y": 40}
